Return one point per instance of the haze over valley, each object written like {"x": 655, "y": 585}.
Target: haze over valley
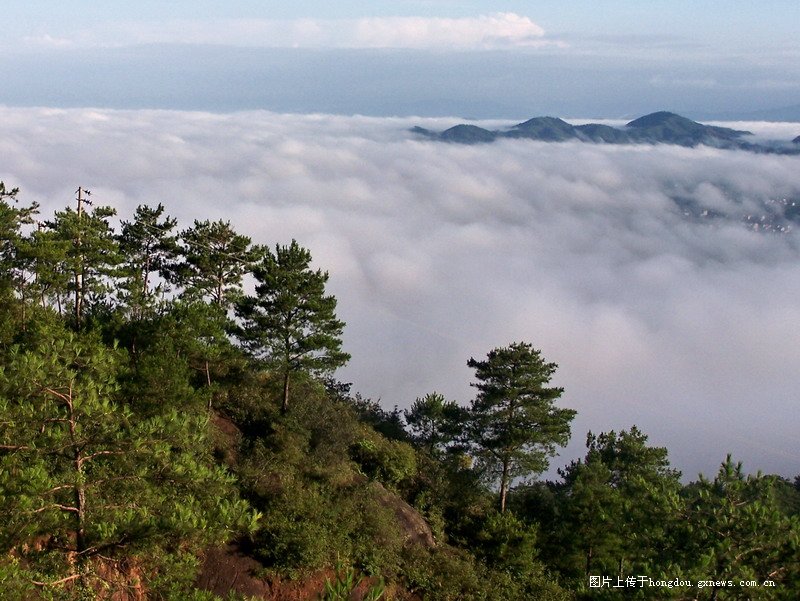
{"x": 644, "y": 271}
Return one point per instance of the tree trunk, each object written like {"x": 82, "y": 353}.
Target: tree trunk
{"x": 80, "y": 515}
{"x": 24, "y": 313}
{"x": 79, "y": 490}
{"x": 78, "y": 299}
{"x": 285, "y": 403}
{"x": 504, "y": 486}
{"x": 146, "y": 278}
{"x": 208, "y": 383}
{"x": 79, "y": 268}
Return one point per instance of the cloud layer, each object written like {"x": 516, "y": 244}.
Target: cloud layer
{"x": 437, "y": 253}
{"x": 496, "y": 30}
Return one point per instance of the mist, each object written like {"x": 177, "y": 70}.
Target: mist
{"x": 688, "y": 328}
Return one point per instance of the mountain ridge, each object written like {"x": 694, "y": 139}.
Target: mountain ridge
{"x": 661, "y": 127}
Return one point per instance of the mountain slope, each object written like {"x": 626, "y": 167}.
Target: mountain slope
{"x": 548, "y": 129}
{"x": 661, "y": 127}
{"x": 666, "y": 127}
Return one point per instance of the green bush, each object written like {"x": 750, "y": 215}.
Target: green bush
{"x": 307, "y": 524}
{"x": 443, "y": 574}
{"x": 449, "y": 574}
{"x": 389, "y": 461}
{"x": 15, "y": 581}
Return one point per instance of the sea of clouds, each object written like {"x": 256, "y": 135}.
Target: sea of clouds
{"x": 688, "y": 328}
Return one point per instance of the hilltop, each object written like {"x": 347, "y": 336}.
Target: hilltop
{"x": 662, "y": 127}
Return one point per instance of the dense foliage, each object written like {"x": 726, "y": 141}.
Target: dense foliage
{"x": 145, "y": 420}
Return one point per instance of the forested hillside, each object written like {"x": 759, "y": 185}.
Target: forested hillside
{"x": 166, "y": 434}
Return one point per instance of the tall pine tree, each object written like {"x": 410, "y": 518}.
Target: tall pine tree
{"x": 515, "y": 425}
{"x": 291, "y": 321}
{"x": 215, "y": 259}
{"x": 91, "y": 253}
{"x": 149, "y": 247}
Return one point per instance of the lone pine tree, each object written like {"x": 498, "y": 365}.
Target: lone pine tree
{"x": 515, "y": 425}
{"x": 291, "y": 321}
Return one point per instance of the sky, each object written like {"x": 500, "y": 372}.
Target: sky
{"x": 406, "y": 57}
{"x": 292, "y": 120}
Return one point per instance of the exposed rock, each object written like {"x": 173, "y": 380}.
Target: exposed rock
{"x": 227, "y": 569}
{"x": 416, "y": 529}
{"x": 226, "y": 438}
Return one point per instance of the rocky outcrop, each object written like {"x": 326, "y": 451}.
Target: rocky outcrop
{"x": 416, "y": 529}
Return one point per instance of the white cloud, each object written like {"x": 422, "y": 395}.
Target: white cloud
{"x": 487, "y": 31}
{"x": 47, "y": 41}
{"x": 764, "y": 130}
{"x": 440, "y": 252}
{"x": 498, "y": 30}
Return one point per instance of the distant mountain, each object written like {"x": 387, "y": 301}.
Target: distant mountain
{"x": 593, "y": 132}
{"x": 671, "y": 128}
{"x": 547, "y": 129}
{"x": 656, "y": 128}
{"x": 796, "y": 140}
{"x": 467, "y": 134}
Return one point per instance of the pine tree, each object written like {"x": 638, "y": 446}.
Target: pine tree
{"x": 90, "y": 253}
{"x": 148, "y": 247}
{"x": 734, "y": 528}
{"x": 82, "y": 472}
{"x": 12, "y": 220}
{"x": 45, "y": 254}
{"x": 435, "y": 422}
{"x": 215, "y": 259}
{"x": 515, "y": 426}
{"x": 15, "y": 277}
{"x": 617, "y": 503}
{"x": 291, "y": 321}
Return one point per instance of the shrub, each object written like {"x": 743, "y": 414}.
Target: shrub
{"x": 389, "y": 461}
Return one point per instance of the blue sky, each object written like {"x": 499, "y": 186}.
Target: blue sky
{"x": 730, "y": 27}
{"x": 733, "y": 17}
{"x": 734, "y": 24}
{"x": 438, "y": 57}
